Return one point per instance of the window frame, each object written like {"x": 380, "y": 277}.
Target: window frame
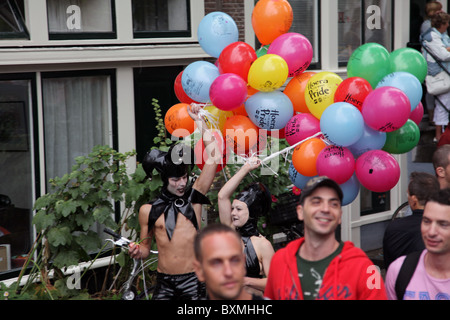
{"x": 363, "y": 28}
{"x": 166, "y": 34}
{"x": 21, "y": 21}
{"x": 87, "y": 35}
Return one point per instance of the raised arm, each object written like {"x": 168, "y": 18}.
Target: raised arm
{"x": 224, "y": 196}
{"x": 206, "y": 178}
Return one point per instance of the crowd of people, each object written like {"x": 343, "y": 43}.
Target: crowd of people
{"x": 231, "y": 260}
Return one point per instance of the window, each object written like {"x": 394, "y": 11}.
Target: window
{"x": 306, "y": 22}
{"x": 12, "y": 20}
{"x": 77, "y": 117}
{"x": 161, "y": 18}
{"x": 16, "y": 172}
{"x": 81, "y": 19}
{"x": 363, "y": 22}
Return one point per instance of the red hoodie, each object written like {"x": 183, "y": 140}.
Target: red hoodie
{"x": 350, "y": 276}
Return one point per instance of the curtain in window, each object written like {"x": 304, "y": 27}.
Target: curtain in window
{"x": 306, "y": 22}
{"x": 76, "y": 118}
{"x": 79, "y": 16}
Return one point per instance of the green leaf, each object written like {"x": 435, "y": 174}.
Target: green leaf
{"x": 66, "y": 258}
{"x": 101, "y": 214}
{"x": 43, "y": 202}
{"x": 65, "y": 208}
{"x": 59, "y": 236}
{"x": 43, "y": 220}
{"x": 84, "y": 220}
{"x": 90, "y": 241}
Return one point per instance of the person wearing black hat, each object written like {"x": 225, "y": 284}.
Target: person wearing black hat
{"x": 318, "y": 266}
{"x": 174, "y": 218}
{"x": 242, "y": 214}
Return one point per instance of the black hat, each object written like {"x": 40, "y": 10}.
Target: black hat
{"x": 317, "y": 182}
{"x": 174, "y": 163}
{"x": 257, "y": 198}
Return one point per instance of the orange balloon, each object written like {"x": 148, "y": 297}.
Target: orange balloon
{"x": 241, "y": 135}
{"x": 295, "y": 90}
{"x": 178, "y": 122}
{"x": 305, "y": 155}
{"x": 271, "y": 19}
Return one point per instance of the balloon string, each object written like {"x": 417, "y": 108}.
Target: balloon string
{"x": 286, "y": 150}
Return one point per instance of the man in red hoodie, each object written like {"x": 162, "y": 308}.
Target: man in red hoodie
{"x": 319, "y": 267}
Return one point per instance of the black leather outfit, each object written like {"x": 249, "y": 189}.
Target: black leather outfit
{"x": 251, "y": 258}
{"x": 178, "y": 286}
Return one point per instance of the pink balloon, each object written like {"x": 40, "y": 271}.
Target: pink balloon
{"x": 386, "y": 109}
{"x": 295, "y": 49}
{"x": 300, "y": 127}
{"x": 228, "y": 91}
{"x": 377, "y": 170}
{"x": 337, "y": 163}
{"x": 417, "y": 114}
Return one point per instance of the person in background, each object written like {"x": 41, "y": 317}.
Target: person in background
{"x": 431, "y": 277}
{"x": 174, "y": 218}
{"x": 436, "y": 40}
{"x": 318, "y": 266}
{"x": 220, "y": 263}
{"x": 242, "y": 215}
{"x": 430, "y": 9}
{"x": 441, "y": 164}
{"x": 402, "y": 236}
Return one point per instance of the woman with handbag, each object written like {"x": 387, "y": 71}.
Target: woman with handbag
{"x": 436, "y": 43}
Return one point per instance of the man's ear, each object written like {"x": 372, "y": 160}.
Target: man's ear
{"x": 440, "y": 172}
{"x": 198, "y": 270}
{"x": 299, "y": 212}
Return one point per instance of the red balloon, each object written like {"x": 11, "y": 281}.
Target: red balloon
{"x": 237, "y": 58}
{"x": 417, "y": 114}
{"x": 179, "y": 91}
{"x": 201, "y": 155}
{"x": 353, "y": 90}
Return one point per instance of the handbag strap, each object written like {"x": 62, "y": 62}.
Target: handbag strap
{"x": 435, "y": 59}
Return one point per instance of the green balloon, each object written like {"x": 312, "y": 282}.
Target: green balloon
{"x": 262, "y": 51}
{"x": 409, "y": 60}
{"x": 371, "y": 62}
{"x": 402, "y": 140}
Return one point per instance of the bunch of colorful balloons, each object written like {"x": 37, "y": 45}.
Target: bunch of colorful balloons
{"x": 365, "y": 119}
{"x": 361, "y": 121}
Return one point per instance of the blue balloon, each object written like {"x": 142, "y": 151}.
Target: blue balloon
{"x": 342, "y": 124}
{"x": 197, "y": 79}
{"x": 269, "y": 110}
{"x": 216, "y": 31}
{"x": 297, "y": 178}
{"x": 370, "y": 140}
{"x": 406, "y": 82}
{"x": 350, "y": 189}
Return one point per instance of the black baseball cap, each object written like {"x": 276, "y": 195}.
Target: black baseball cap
{"x": 317, "y": 182}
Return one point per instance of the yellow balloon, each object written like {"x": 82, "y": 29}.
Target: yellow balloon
{"x": 215, "y": 118}
{"x": 320, "y": 90}
{"x": 268, "y": 73}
